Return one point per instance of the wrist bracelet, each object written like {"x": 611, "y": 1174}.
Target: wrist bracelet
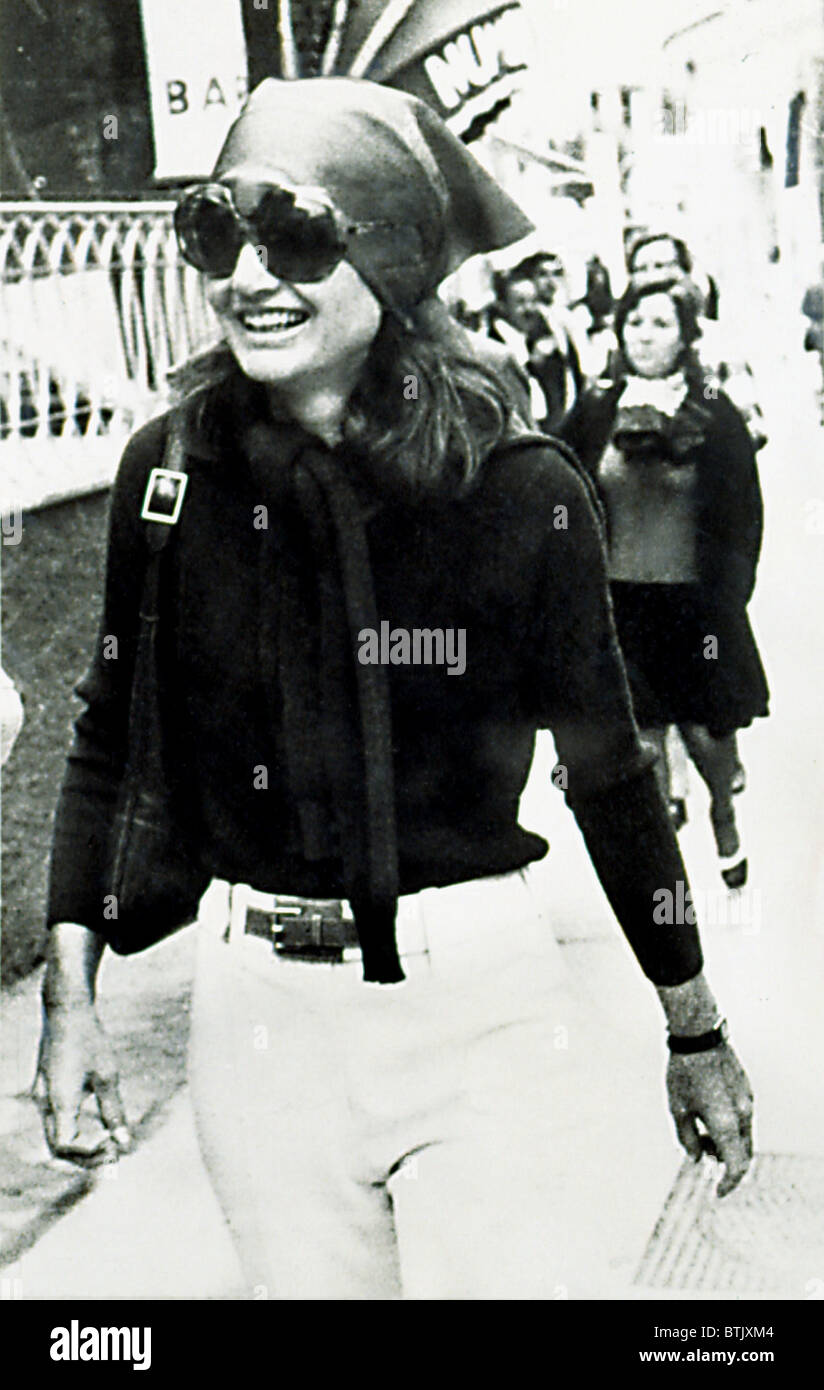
{"x": 699, "y": 1042}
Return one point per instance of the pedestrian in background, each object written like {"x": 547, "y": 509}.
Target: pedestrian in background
{"x": 538, "y": 338}
{"x": 657, "y": 254}
{"x": 679, "y": 482}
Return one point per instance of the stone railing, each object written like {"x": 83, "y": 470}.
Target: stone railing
{"x": 95, "y": 307}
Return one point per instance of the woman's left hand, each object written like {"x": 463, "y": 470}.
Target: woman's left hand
{"x": 712, "y": 1087}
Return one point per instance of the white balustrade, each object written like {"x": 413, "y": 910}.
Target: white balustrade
{"x": 95, "y": 307}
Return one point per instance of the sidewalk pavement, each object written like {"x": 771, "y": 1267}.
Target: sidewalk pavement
{"x": 156, "y": 1228}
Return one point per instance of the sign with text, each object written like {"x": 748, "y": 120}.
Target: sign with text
{"x": 464, "y": 76}
{"x": 197, "y": 81}
{"x": 463, "y": 57}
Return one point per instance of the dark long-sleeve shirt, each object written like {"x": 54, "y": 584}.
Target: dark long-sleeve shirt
{"x": 517, "y": 564}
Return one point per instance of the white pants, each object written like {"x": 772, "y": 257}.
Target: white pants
{"x": 441, "y": 1138}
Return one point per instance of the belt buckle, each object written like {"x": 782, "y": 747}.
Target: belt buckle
{"x": 312, "y": 929}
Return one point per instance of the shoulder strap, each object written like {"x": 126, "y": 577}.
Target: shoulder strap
{"x": 530, "y": 439}
{"x": 159, "y": 528}
{"x": 144, "y": 707}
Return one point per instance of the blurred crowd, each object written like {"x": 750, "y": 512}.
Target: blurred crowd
{"x": 662, "y": 410}
{"x": 558, "y": 342}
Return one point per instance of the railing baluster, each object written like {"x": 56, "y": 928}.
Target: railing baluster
{"x": 86, "y": 358}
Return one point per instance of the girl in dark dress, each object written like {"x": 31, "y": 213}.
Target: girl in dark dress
{"x": 676, "y": 472}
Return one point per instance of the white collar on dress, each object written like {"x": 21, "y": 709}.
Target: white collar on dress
{"x": 664, "y": 393}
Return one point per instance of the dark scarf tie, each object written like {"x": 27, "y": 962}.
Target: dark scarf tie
{"x": 335, "y": 711}
{"x": 644, "y": 431}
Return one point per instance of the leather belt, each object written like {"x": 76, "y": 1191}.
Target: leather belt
{"x": 310, "y": 929}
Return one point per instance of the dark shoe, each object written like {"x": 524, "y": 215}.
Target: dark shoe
{"x": 735, "y": 877}
{"x": 725, "y": 830}
{"x": 678, "y": 812}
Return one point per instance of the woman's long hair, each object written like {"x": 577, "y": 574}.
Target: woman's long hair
{"x": 425, "y": 413}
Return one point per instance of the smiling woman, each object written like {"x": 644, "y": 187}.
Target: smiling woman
{"x": 397, "y": 999}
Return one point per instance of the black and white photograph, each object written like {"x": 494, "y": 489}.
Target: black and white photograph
{"x": 411, "y": 421}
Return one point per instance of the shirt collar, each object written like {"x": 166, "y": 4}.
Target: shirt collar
{"x": 217, "y": 416}
{"x": 227, "y": 419}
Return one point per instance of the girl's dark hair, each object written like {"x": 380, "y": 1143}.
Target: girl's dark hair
{"x": 682, "y": 255}
{"x": 426, "y": 411}
{"x": 683, "y": 299}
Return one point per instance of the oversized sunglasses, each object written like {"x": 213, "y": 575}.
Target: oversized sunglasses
{"x": 298, "y": 234}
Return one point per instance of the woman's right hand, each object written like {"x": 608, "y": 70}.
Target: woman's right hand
{"x": 75, "y": 1055}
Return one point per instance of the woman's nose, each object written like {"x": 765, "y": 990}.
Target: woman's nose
{"x": 251, "y": 273}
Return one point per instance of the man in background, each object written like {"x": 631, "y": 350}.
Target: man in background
{"x": 527, "y": 320}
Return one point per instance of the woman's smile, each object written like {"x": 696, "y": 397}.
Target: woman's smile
{"x": 271, "y": 321}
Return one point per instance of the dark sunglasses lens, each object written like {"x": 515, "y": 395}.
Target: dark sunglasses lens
{"x": 208, "y": 233}
{"x": 300, "y": 237}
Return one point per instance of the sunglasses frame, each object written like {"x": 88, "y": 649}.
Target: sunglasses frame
{"x": 221, "y": 195}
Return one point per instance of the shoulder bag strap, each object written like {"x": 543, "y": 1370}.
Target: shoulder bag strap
{"x": 530, "y": 439}
{"x": 161, "y": 509}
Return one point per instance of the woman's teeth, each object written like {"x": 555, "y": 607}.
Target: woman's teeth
{"x": 273, "y": 320}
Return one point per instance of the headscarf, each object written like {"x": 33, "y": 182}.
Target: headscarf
{"x": 383, "y": 157}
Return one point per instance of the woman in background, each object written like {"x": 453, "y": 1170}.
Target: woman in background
{"x": 658, "y": 255}
{"x": 679, "y": 483}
